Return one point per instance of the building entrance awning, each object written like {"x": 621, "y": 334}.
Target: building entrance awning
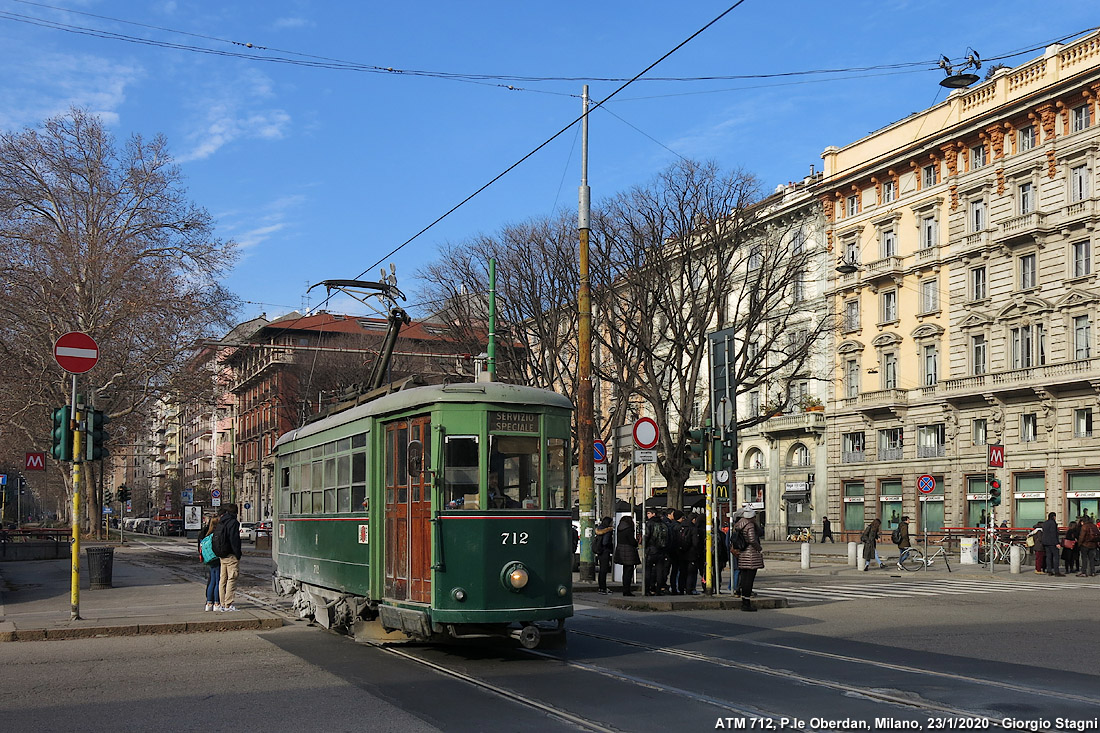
{"x": 796, "y": 497}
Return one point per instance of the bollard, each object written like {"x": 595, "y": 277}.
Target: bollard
{"x": 1016, "y": 557}
{"x": 853, "y": 555}
{"x": 805, "y": 555}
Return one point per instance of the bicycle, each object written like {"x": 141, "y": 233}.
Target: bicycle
{"x": 802, "y": 535}
{"x": 915, "y": 559}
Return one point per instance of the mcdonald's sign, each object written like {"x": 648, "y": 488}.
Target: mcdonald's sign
{"x": 36, "y": 462}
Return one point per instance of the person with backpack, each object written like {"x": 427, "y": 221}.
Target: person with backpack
{"x": 227, "y": 546}
{"x": 656, "y": 552}
{"x": 750, "y": 557}
{"x": 681, "y": 534}
{"x": 213, "y": 567}
{"x": 603, "y": 547}
{"x": 900, "y": 537}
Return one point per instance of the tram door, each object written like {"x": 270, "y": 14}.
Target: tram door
{"x": 408, "y": 512}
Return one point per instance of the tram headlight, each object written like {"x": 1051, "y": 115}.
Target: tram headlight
{"x": 562, "y": 591}
{"x": 515, "y": 576}
{"x": 459, "y": 594}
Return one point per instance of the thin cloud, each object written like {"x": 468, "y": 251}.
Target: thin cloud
{"x": 47, "y": 84}
{"x": 284, "y": 23}
{"x": 229, "y": 113}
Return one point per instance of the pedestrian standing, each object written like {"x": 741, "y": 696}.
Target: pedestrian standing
{"x": 870, "y": 544}
{"x": 1035, "y": 541}
{"x": 229, "y": 530}
{"x": 904, "y": 542}
{"x": 604, "y": 546}
{"x": 697, "y": 570}
{"x": 626, "y": 552}
{"x": 750, "y": 559}
{"x": 1051, "y": 545}
{"x": 1088, "y": 539}
{"x": 656, "y": 552}
{"x": 827, "y": 530}
{"x": 1071, "y": 553}
{"x": 213, "y": 568}
{"x": 671, "y": 581}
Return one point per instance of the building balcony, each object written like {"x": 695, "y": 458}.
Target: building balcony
{"x": 878, "y": 398}
{"x": 890, "y": 454}
{"x": 852, "y": 456}
{"x": 1022, "y": 229}
{"x": 1078, "y": 210}
{"x": 974, "y": 241}
{"x": 1047, "y": 375}
{"x": 803, "y": 422}
{"x": 886, "y": 267}
{"x": 931, "y": 451}
{"x": 928, "y": 255}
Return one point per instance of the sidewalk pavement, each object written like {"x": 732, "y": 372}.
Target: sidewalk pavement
{"x": 782, "y": 565}
{"x": 35, "y": 602}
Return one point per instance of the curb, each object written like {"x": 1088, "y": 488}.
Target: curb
{"x": 9, "y": 633}
{"x": 706, "y": 604}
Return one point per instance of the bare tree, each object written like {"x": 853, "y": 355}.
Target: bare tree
{"x": 677, "y": 262}
{"x": 103, "y": 240}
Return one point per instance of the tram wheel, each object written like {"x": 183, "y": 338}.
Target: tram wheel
{"x": 529, "y": 636}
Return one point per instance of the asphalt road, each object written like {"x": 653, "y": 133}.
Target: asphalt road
{"x": 971, "y": 657}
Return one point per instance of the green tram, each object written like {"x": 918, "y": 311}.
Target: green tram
{"x": 439, "y": 511}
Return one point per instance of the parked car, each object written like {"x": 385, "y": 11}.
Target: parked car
{"x": 175, "y": 528}
{"x": 248, "y": 531}
{"x": 263, "y": 528}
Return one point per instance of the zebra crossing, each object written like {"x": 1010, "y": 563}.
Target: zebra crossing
{"x": 831, "y": 592}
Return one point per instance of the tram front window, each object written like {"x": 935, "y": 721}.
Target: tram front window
{"x": 557, "y": 490}
{"x": 460, "y": 476}
{"x": 513, "y": 472}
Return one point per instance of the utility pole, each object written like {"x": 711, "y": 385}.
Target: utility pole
{"x": 585, "y": 468}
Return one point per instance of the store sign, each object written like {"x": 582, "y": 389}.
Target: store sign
{"x": 1083, "y": 494}
{"x": 977, "y": 497}
{"x": 889, "y": 498}
{"x": 1030, "y": 494}
{"x": 853, "y": 499}
{"x": 929, "y": 497}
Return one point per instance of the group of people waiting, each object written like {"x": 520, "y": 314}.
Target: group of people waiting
{"x": 224, "y": 531}
{"x": 1053, "y": 550}
{"x": 675, "y": 552}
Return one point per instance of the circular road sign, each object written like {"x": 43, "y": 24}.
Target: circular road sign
{"x": 926, "y": 484}
{"x": 215, "y": 493}
{"x": 646, "y": 433}
{"x": 76, "y": 352}
{"x": 599, "y": 451}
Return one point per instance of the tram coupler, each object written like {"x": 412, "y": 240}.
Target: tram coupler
{"x": 529, "y": 636}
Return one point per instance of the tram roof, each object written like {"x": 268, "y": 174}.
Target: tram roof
{"x": 466, "y": 392}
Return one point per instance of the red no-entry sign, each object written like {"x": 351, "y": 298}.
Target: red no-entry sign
{"x": 76, "y": 352}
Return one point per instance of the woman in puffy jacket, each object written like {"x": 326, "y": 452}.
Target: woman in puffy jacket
{"x": 626, "y": 552}
{"x": 213, "y": 567}
{"x": 750, "y": 559}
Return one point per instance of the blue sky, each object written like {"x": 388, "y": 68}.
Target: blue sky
{"x": 317, "y": 173}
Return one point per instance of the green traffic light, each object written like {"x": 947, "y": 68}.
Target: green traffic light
{"x": 62, "y": 434}
{"x": 697, "y": 449}
{"x": 97, "y": 436}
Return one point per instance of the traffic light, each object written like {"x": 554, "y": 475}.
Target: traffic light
{"x": 994, "y": 492}
{"x": 108, "y": 497}
{"x": 697, "y": 449}
{"x": 95, "y": 435}
{"x": 724, "y": 455}
{"x": 123, "y": 494}
{"x": 62, "y": 434}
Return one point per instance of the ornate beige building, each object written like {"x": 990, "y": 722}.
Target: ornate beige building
{"x": 965, "y": 292}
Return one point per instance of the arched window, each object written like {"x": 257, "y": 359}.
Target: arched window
{"x": 799, "y": 456}
{"x": 754, "y": 459}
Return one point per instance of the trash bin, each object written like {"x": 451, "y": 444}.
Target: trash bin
{"x": 263, "y": 542}
{"x": 968, "y": 551}
{"x": 101, "y": 562}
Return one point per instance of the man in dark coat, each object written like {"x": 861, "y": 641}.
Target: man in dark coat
{"x": 230, "y": 530}
{"x": 904, "y": 542}
{"x": 827, "y": 530}
{"x": 656, "y": 552}
{"x": 1050, "y": 545}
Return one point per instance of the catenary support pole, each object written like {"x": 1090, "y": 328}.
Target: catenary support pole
{"x": 74, "y": 601}
{"x": 585, "y": 414}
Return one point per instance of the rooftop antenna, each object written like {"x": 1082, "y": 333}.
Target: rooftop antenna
{"x": 959, "y": 79}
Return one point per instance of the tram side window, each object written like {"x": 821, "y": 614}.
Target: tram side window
{"x": 460, "y": 472}
{"x": 514, "y": 472}
{"x": 284, "y": 493}
{"x": 358, "y": 482}
{"x": 557, "y": 471}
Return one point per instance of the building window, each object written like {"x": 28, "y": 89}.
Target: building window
{"x": 853, "y": 204}
{"x": 756, "y": 257}
{"x": 800, "y": 456}
{"x": 851, "y": 251}
{"x": 1022, "y": 347}
{"x": 889, "y": 306}
{"x": 978, "y": 354}
{"x": 1025, "y": 138}
{"x": 889, "y": 191}
{"x": 978, "y": 156}
{"x": 889, "y": 370}
{"x": 1079, "y": 183}
{"x": 930, "y": 175}
{"x": 1080, "y": 118}
{"x": 978, "y": 431}
{"x": 978, "y": 284}
{"x": 977, "y": 216}
{"x": 851, "y": 378}
{"x": 1082, "y": 258}
{"x": 890, "y": 444}
{"x": 1026, "y": 194}
{"x": 929, "y": 232}
{"x": 1082, "y": 423}
{"x": 1027, "y": 271}
{"x": 1082, "y": 336}
{"x": 1029, "y": 424}
{"x": 754, "y": 402}
{"x": 931, "y": 364}
{"x": 854, "y": 448}
{"x": 930, "y": 441}
{"x": 851, "y": 315}
{"x": 929, "y": 296}
{"x": 889, "y": 243}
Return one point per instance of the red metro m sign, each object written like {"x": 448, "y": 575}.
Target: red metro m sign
{"x": 996, "y": 456}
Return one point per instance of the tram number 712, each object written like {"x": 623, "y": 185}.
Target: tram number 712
{"x": 513, "y": 538}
